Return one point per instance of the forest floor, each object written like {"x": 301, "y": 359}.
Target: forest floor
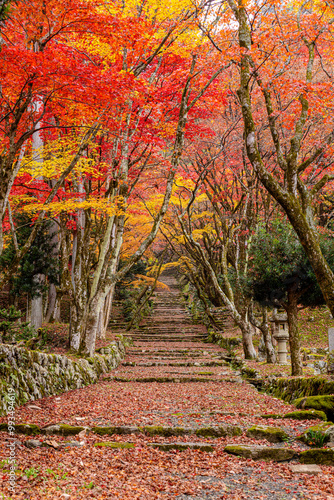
{"x": 169, "y": 380}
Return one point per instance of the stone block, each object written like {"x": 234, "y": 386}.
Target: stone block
{"x": 183, "y": 446}
{"x": 271, "y": 434}
{"x": 261, "y": 452}
{"x": 305, "y": 469}
{"x": 331, "y": 339}
{"x": 323, "y": 456}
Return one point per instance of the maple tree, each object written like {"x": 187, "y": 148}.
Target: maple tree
{"x": 217, "y": 205}
{"x": 295, "y": 90}
{"x": 86, "y": 180}
{"x": 103, "y": 102}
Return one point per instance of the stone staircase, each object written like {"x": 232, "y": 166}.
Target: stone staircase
{"x": 176, "y": 393}
{"x": 169, "y": 322}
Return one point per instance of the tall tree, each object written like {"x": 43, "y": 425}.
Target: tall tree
{"x": 296, "y": 167}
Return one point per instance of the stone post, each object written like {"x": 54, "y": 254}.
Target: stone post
{"x": 331, "y": 339}
{"x": 279, "y": 321}
{"x": 282, "y": 338}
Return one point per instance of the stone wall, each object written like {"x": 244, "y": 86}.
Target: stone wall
{"x": 294, "y": 388}
{"x": 34, "y": 374}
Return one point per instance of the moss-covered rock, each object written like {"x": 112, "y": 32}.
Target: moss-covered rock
{"x": 32, "y": 374}
{"x": 27, "y": 429}
{"x": 261, "y": 452}
{"x": 316, "y": 433}
{"x": 228, "y": 343}
{"x": 271, "y": 434}
{"x": 272, "y": 415}
{"x": 290, "y": 389}
{"x": 306, "y": 415}
{"x": 157, "y": 430}
{"x": 182, "y": 446}
{"x": 104, "y": 431}
{"x": 222, "y": 431}
{"x": 317, "y": 456}
{"x": 62, "y": 430}
{"x": 114, "y": 445}
{"x": 320, "y": 403}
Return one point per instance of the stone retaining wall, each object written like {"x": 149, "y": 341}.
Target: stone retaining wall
{"x": 34, "y": 374}
{"x": 291, "y": 389}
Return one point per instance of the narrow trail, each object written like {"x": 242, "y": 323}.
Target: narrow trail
{"x": 167, "y": 414}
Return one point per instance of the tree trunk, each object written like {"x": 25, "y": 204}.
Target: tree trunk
{"x": 294, "y": 339}
{"x": 265, "y": 330}
{"x": 54, "y": 233}
{"x": 89, "y": 334}
{"x": 309, "y": 239}
{"x": 28, "y": 310}
{"x": 77, "y": 327}
{"x": 52, "y": 301}
{"x": 298, "y": 207}
{"x": 37, "y": 305}
{"x": 247, "y": 339}
{"x": 261, "y": 352}
{"x": 106, "y": 313}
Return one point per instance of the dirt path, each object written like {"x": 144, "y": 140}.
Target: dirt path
{"x": 173, "y": 391}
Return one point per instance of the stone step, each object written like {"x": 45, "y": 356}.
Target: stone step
{"x": 110, "y": 430}
{"x": 179, "y": 356}
{"x": 183, "y": 446}
{"x": 164, "y": 380}
{"x": 189, "y": 363}
{"x": 163, "y": 339}
{"x": 168, "y": 352}
{"x": 266, "y": 453}
{"x": 167, "y": 335}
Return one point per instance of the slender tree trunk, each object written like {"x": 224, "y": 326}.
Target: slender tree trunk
{"x": 28, "y": 310}
{"x": 266, "y": 333}
{"x": 52, "y": 302}
{"x": 54, "y": 233}
{"x": 294, "y": 339}
{"x": 37, "y": 311}
{"x": 106, "y": 312}
{"x": 37, "y": 305}
{"x": 309, "y": 238}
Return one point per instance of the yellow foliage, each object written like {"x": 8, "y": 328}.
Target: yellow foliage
{"x": 156, "y": 10}
{"x": 147, "y": 280}
{"x": 51, "y": 160}
{"x": 200, "y": 215}
{"x": 318, "y": 6}
{"x": 198, "y": 233}
{"x": 72, "y": 205}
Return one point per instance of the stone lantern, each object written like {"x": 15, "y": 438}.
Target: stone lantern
{"x": 281, "y": 335}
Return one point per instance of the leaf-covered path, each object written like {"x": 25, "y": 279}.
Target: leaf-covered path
{"x": 172, "y": 391}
